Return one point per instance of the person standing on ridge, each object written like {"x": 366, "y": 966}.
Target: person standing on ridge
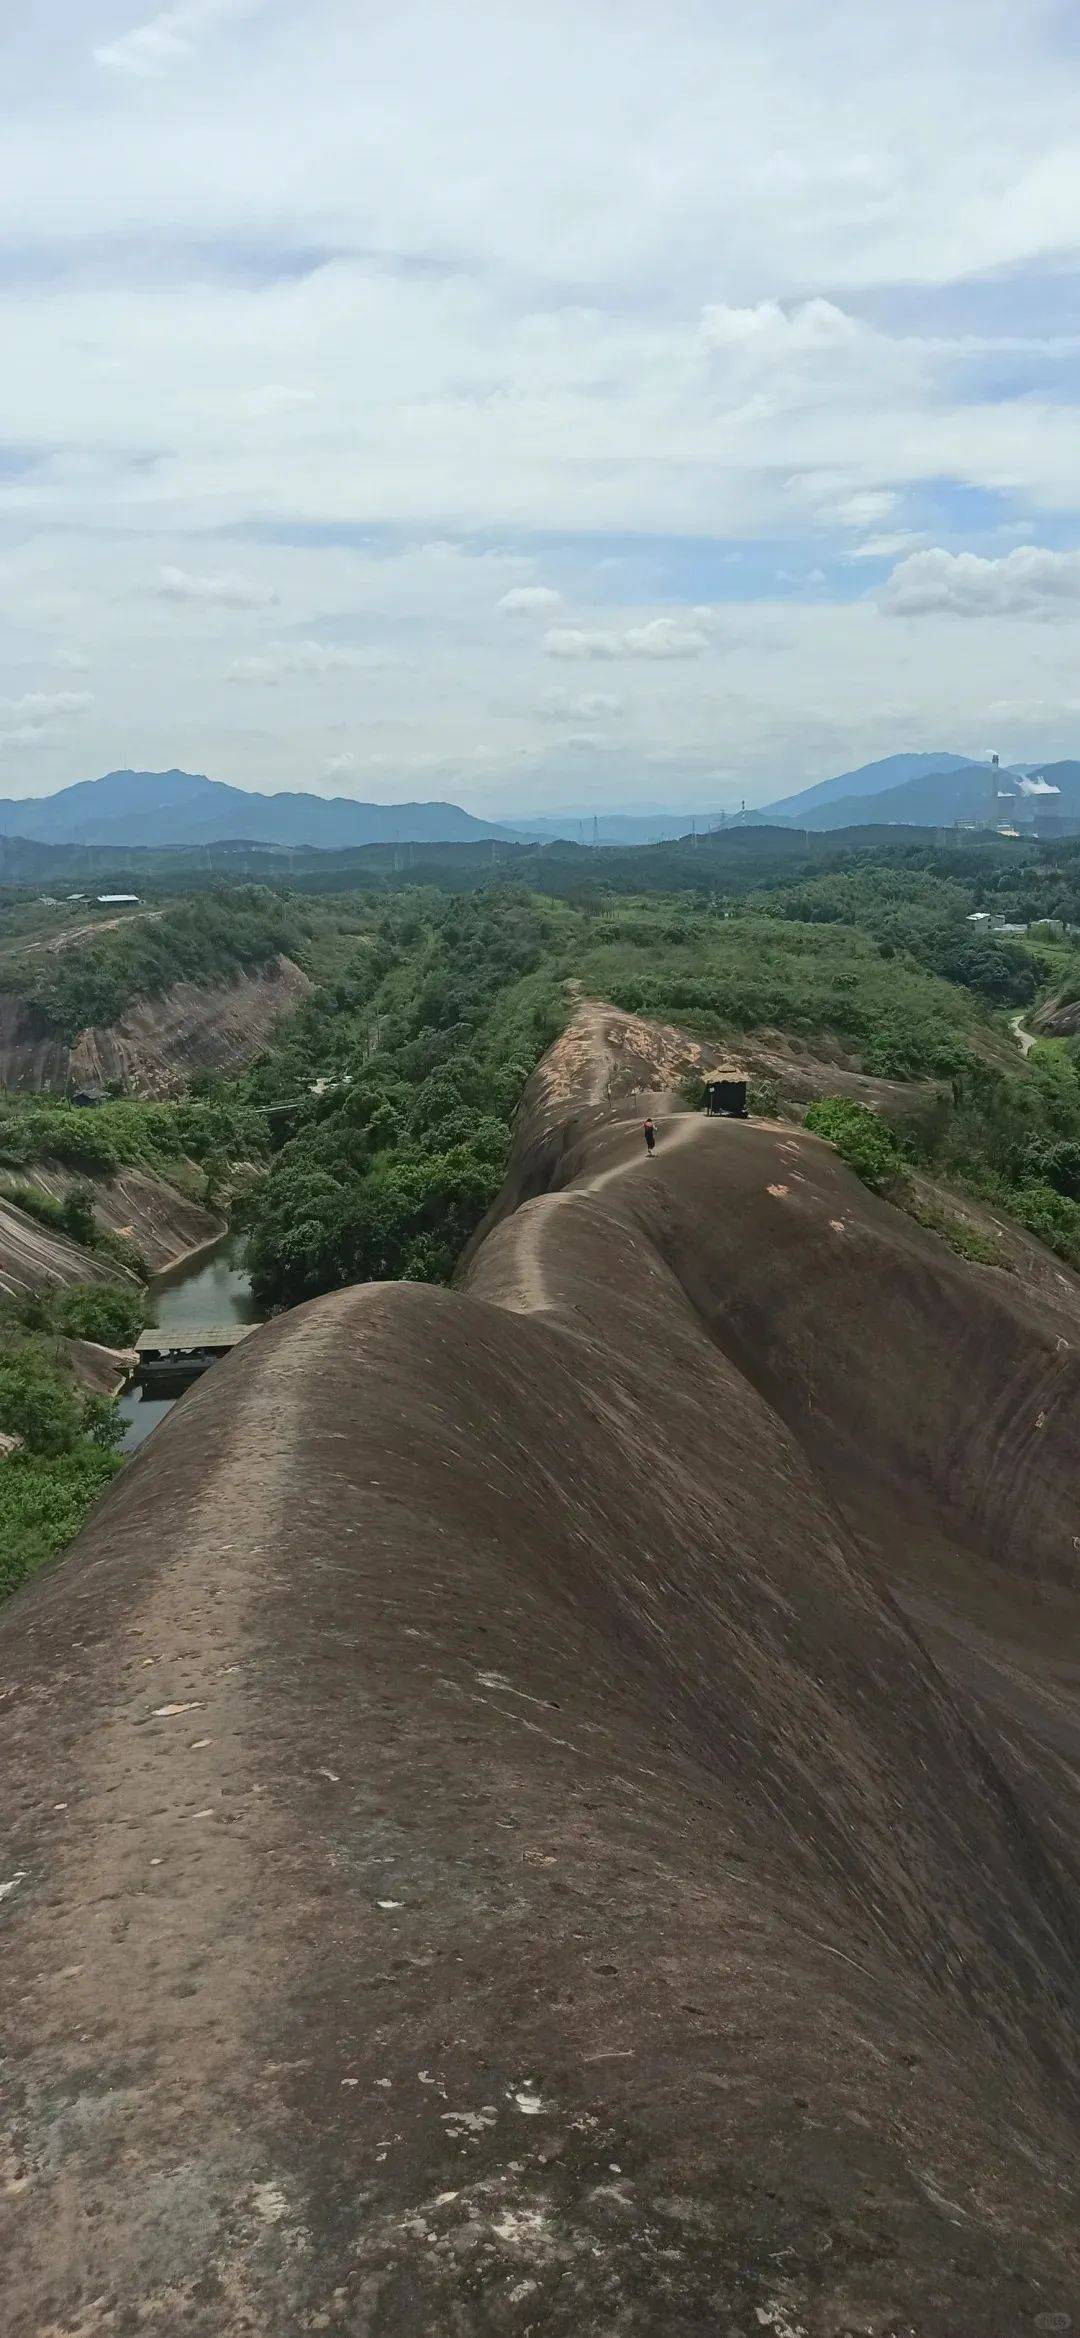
{"x": 650, "y": 1137}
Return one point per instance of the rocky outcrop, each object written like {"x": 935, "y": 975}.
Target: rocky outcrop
{"x": 1058, "y": 1019}
{"x": 164, "y": 1225}
{"x": 99, "y": 1371}
{"x": 158, "y": 1042}
{"x": 550, "y": 1806}
{"x": 34, "y": 1258}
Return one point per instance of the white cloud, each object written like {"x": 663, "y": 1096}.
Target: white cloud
{"x": 865, "y": 509}
{"x": 287, "y": 658}
{"x": 222, "y": 592}
{"x": 34, "y": 719}
{"x": 529, "y": 601}
{"x": 170, "y": 38}
{"x": 572, "y": 641}
{"x": 883, "y": 547}
{"x": 579, "y": 705}
{"x": 665, "y": 637}
{"x": 661, "y": 637}
{"x": 771, "y": 334}
{"x": 310, "y": 300}
{"x": 1029, "y": 582}
{"x": 44, "y": 706}
{"x": 336, "y": 766}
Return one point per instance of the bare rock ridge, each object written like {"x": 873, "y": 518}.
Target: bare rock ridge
{"x": 550, "y": 1807}
{"x": 157, "y": 1043}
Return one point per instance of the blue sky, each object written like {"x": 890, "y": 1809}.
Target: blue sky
{"x": 557, "y": 405}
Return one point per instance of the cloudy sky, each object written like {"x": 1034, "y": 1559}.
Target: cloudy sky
{"x": 541, "y": 405}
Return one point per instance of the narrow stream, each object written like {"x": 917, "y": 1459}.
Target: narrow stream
{"x": 210, "y": 1288}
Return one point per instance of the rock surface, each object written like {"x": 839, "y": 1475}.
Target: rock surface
{"x": 1058, "y": 1019}
{"x": 550, "y": 1807}
{"x": 158, "y": 1042}
{"x": 34, "y": 1257}
{"x": 164, "y": 1225}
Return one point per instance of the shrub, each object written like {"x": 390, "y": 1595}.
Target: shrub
{"x": 43, "y": 1503}
{"x": 36, "y": 1404}
{"x": 109, "y": 1313}
{"x": 45, "y": 1207}
{"x": 860, "y": 1137}
{"x": 78, "y": 1217}
{"x": 103, "y": 1423}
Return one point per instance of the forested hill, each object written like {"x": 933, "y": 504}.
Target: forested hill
{"x": 729, "y": 860}
{"x": 91, "y": 980}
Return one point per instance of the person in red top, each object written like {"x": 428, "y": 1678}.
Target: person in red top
{"x": 650, "y": 1136}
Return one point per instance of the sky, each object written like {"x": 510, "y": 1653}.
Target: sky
{"x": 594, "y": 405}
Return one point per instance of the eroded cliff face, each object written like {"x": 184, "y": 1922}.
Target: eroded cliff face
{"x": 34, "y": 1257}
{"x": 158, "y": 1043}
{"x": 549, "y": 1807}
{"x": 164, "y": 1224}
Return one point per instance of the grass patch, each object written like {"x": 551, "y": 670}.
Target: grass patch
{"x": 968, "y": 1241}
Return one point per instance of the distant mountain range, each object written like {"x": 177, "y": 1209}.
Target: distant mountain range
{"x": 852, "y": 799}
{"x": 940, "y": 798}
{"x": 871, "y": 779}
{"x": 166, "y": 808}
{"x": 182, "y": 810}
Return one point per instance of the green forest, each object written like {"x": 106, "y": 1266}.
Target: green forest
{"x": 370, "y": 1138}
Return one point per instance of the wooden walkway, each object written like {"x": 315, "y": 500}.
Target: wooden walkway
{"x": 193, "y": 1339}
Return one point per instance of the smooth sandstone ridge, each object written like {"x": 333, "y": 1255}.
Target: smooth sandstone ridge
{"x": 551, "y": 1806}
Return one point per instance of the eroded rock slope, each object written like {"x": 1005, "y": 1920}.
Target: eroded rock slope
{"x": 550, "y": 1807}
{"x": 156, "y": 1045}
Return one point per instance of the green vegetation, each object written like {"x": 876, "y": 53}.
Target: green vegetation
{"x": 422, "y": 1043}
{"x": 215, "y": 1119}
{"x": 66, "y": 1452}
{"x": 754, "y": 972}
{"x": 967, "y": 1240}
{"x": 870, "y": 1147}
{"x": 206, "y": 941}
{"x": 44, "y": 1502}
{"x": 425, "y": 1047}
{"x": 112, "y": 1314}
{"x": 861, "y": 1138}
{"x": 1011, "y": 1139}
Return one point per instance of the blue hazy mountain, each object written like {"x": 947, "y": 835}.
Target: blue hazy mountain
{"x": 943, "y": 797}
{"x": 166, "y": 808}
{"x": 870, "y": 779}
